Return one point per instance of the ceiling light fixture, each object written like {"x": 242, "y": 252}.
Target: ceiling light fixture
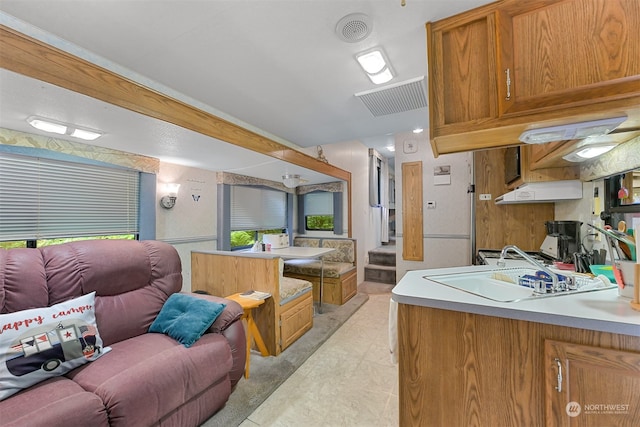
{"x": 291, "y": 181}
{"x": 60, "y": 128}
{"x": 391, "y": 148}
{"x": 87, "y": 135}
{"x": 375, "y": 63}
{"x": 418, "y": 130}
{"x": 47, "y": 125}
{"x": 571, "y": 131}
{"x": 591, "y": 147}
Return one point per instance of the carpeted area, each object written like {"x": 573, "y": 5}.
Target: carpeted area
{"x": 267, "y": 373}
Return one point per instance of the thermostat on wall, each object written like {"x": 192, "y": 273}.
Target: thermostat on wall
{"x": 410, "y": 146}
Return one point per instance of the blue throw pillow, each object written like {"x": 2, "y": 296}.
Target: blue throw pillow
{"x": 185, "y": 318}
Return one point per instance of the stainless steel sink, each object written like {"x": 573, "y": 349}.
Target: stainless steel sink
{"x": 513, "y": 284}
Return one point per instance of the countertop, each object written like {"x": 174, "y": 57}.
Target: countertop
{"x": 599, "y": 311}
{"x": 298, "y": 252}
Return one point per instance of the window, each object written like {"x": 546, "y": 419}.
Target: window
{"x": 45, "y": 200}
{"x": 318, "y": 208}
{"x": 318, "y": 222}
{"x": 50, "y": 242}
{"x": 256, "y": 211}
{"x": 246, "y": 239}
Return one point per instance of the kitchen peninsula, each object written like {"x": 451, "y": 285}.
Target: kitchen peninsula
{"x": 287, "y": 314}
{"x": 467, "y": 360}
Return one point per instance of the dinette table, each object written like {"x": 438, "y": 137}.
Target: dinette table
{"x": 303, "y": 252}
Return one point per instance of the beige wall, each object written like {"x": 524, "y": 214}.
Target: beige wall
{"x": 191, "y": 223}
{"x": 353, "y": 156}
{"x": 452, "y": 215}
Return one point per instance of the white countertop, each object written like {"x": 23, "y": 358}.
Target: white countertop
{"x": 599, "y": 311}
{"x": 291, "y": 252}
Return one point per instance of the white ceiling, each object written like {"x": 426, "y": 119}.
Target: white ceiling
{"x": 275, "y": 66}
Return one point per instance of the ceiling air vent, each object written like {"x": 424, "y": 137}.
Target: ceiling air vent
{"x": 354, "y": 27}
{"x": 396, "y": 98}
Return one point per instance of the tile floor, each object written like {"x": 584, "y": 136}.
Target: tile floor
{"x": 349, "y": 381}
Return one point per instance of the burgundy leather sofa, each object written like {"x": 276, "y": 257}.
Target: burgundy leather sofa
{"x": 147, "y": 379}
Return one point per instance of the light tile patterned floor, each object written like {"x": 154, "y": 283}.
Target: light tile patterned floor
{"x": 349, "y": 381}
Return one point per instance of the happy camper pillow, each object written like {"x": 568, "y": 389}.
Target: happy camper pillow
{"x": 41, "y": 343}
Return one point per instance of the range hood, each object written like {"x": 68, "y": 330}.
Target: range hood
{"x": 543, "y": 192}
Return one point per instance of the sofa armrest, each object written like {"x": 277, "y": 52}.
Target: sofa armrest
{"x": 231, "y": 313}
{"x": 229, "y": 326}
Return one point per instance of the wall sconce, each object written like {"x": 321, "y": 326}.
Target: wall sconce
{"x": 169, "y": 200}
{"x": 291, "y": 181}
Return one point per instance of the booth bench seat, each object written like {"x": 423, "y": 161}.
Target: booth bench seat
{"x": 338, "y": 268}
{"x": 284, "y": 317}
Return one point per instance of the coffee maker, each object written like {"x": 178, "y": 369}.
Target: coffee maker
{"x": 562, "y": 240}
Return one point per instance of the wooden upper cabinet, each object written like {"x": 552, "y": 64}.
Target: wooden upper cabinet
{"x": 499, "y": 69}
{"x": 568, "y": 52}
{"x": 590, "y": 386}
{"x": 463, "y": 83}
{"x": 461, "y": 61}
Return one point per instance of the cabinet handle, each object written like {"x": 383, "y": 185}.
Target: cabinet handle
{"x": 508, "y": 73}
{"x": 559, "y": 386}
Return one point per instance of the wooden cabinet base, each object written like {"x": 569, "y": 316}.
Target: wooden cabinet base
{"x": 336, "y": 290}
{"x": 613, "y": 379}
{"x": 462, "y": 369}
{"x": 296, "y": 318}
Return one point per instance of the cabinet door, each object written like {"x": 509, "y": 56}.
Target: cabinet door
{"x": 461, "y": 59}
{"x": 591, "y": 386}
{"x": 567, "y": 53}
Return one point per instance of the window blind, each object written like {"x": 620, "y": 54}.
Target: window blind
{"x": 320, "y": 203}
{"x": 46, "y": 198}
{"x": 257, "y": 209}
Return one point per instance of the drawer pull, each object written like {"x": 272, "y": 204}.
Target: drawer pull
{"x": 559, "y": 386}
{"x": 508, "y": 73}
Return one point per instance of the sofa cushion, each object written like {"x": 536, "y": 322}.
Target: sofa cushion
{"x": 291, "y": 288}
{"x": 147, "y": 377}
{"x": 306, "y": 242}
{"x": 23, "y": 281}
{"x": 344, "y": 250}
{"x": 313, "y": 267}
{"x": 55, "y": 402}
{"x": 131, "y": 278}
{"x": 185, "y": 318}
{"x": 45, "y": 342}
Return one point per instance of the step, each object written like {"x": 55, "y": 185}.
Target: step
{"x": 382, "y": 258}
{"x": 380, "y": 274}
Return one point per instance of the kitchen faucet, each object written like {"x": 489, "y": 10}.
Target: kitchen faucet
{"x": 514, "y": 248}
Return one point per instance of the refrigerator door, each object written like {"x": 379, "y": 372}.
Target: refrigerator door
{"x": 448, "y": 219}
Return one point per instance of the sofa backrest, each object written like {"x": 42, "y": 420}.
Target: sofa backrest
{"x": 132, "y": 280}
{"x": 345, "y": 249}
{"x": 23, "y": 281}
